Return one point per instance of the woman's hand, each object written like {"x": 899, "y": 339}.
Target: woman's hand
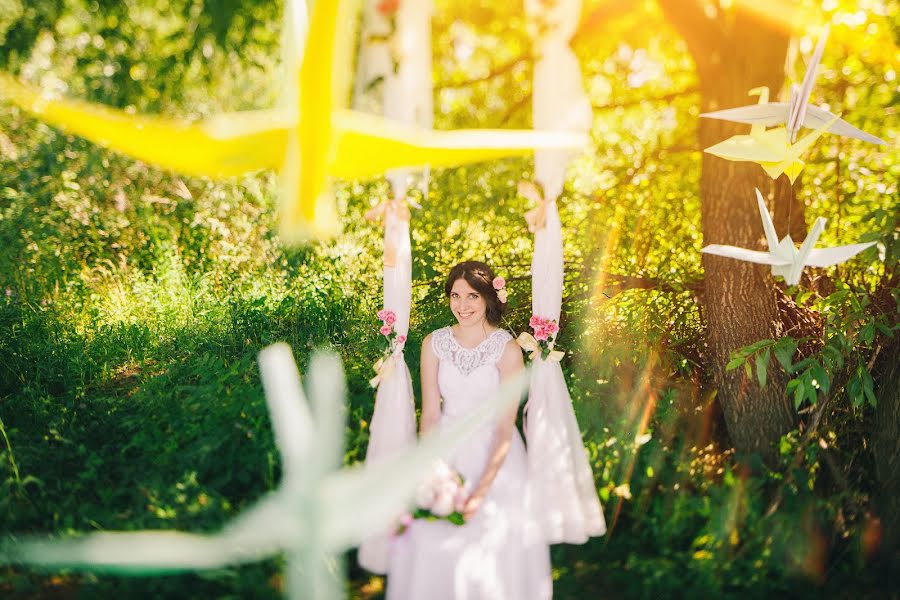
{"x": 472, "y": 505}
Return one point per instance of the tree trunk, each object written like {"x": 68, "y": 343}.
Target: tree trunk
{"x": 886, "y": 447}
{"x": 735, "y": 52}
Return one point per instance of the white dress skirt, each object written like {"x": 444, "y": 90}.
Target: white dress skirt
{"x": 501, "y": 553}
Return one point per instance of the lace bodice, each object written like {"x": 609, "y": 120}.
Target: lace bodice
{"x": 466, "y": 360}
{"x": 466, "y": 376}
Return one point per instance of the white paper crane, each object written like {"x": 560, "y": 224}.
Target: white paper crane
{"x": 318, "y": 511}
{"x": 786, "y": 260}
{"x": 797, "y": 112}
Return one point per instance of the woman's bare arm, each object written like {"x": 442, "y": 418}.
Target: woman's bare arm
{"x": 509, "y": 364}
{"x": 431, "y": 394}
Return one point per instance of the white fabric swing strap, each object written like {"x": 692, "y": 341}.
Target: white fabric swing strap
{"x": 560, "y": 473}
{"x": 406, "y": 97}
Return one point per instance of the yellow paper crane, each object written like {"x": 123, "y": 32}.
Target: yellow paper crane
{"x": 310, "y": 140}
{"x": 770, "y": 148}
{"x": 775, "y": 149}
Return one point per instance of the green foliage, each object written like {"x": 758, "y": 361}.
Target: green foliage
{"x": 133, "y": 302}
{"x": 853, "y": 329}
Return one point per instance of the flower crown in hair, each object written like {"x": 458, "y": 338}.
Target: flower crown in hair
{"x": 500, "y": 285}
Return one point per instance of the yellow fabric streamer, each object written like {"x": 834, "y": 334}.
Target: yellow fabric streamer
{"x": 527, "y": 342}
{"x": 311, "y": 141}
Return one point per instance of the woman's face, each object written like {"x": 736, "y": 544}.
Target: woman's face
{"x": 468, "y": 306}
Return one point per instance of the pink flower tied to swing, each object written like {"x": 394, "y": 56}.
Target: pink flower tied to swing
{"x": 384, "y": 366}
{"x": 541, "y": 344}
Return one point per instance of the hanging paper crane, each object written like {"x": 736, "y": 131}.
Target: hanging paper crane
{"x": 311, "y": 139}
{"x": 775, "y": 149}
{"x": 783, "y": 256}
{"x": 315, "y": 513}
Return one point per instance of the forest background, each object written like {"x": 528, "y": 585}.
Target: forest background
{"x": 743, "y": 434}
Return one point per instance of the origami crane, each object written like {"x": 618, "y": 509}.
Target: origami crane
{"x": 311, "y": 138}
{"x": 318, "y": 511}
{"x": 775, "y": 149}
{"x": 786, "y": 260}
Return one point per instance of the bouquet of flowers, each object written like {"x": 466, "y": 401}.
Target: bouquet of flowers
{"x": 543, "y": 341}
{"x": 441, "y": 497}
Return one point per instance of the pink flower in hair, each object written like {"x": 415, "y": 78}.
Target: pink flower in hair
{"x": 499, "y": 283}
{"x": 386, "y": 330}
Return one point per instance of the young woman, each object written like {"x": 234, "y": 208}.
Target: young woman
{"x": 499, "y": 553}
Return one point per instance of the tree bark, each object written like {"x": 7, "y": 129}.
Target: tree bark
{"x": 735, "y": 52}
{"x": 886, "y": 447}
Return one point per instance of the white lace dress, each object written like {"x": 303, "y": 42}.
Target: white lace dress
{"x": 500, "y": 554}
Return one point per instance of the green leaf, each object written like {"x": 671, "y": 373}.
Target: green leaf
{"x": 833, "y": 357}
{"x": 799, "y": 395}
{"x": 762, "y": 363}
{"x": 867, "y": 333}
{"x": 784, "y": 352}
{"x": 818, "y": 372}
{"x": 854, "y": 390}
{"x": 736, "y": 361}
{"x": 784, "y": 446}
{"x": 456, "y": 518}
{"x": 868, "y": 388}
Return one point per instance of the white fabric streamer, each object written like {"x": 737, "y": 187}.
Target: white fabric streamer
{"x": 407, "y": 98}
{"x": 558, "y": 464}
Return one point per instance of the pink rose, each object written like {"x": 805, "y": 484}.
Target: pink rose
{"x": 535, "y": 320}
{"x": 390, "y": 318}
{"x": 386, "y": 330}
{"x": 498, "y": 283}
{"x": 552, "y": 327}
{"x": 381, "y": 313}
{"x": 541, "y": 334}
{"x": 401, "y": 339}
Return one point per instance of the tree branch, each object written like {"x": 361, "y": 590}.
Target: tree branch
{"x": 495, "y": 72}
{"x": 638, "y": 101}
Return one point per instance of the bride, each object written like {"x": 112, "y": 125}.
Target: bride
{"x": 499, "y": 553}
